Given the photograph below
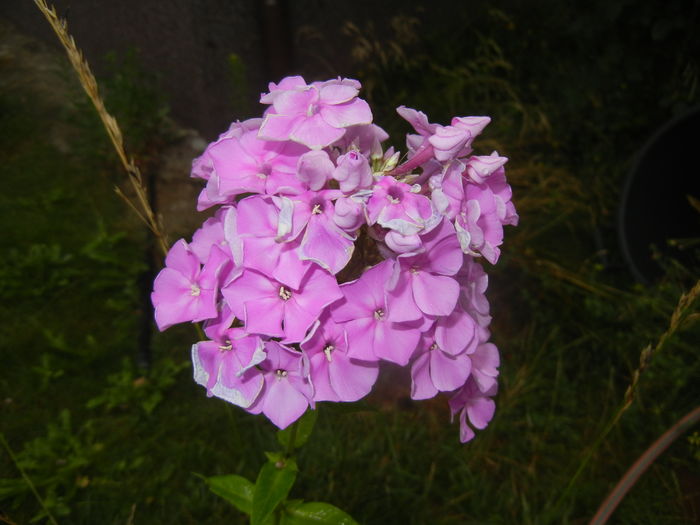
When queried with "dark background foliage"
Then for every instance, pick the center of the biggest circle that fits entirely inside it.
(574, 94)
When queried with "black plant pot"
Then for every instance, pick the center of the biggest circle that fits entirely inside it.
(655, 208)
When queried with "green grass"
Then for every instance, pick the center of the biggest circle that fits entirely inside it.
(103, 440)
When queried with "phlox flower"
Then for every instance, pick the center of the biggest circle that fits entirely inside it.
(314, 115)
(485, 209)
(183, 290)
(322, 240)
(425, 284)
(296, 190)
(273, 309)
(398, 206)
(226, 367)
(265, 241)
(485, 363)
(364, 311)
(287, 391)
(436, 370)
(475, 409)
(473, 284)
(353, 172)
(335, 376)
(247, 164)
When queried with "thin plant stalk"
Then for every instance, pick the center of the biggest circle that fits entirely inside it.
(27, 480)
(87, 80)
(679, 315)
(642, 464)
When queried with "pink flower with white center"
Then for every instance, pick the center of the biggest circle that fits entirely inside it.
(397, 206)
(258, 228)
(183, 291)
(314, 115)
(226, 367)
(425, 284)
(485, 363)
(335, 376)
(322, 241)
(435, 370)
(287, 391)
(372, 335)
(353, 172)
(473, 405)
(274, 309)
(486, 208)
(247, 164)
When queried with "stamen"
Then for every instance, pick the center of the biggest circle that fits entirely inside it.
(316, 209)
(379, 314)
(285, 294)
(227, 346)
(195, 290)
(328, 349)
(393, 200)
(434, 346)
(280, 373)
(413, 270)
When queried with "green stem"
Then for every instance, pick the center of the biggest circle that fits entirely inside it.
(26, 479)
(292, 439)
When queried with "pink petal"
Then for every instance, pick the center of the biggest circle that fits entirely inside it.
(455, 333)
(347, 114)
(326, 245)
(448, 372)
(315, 133)
(421, 385)
(321, 379)
(337, 93)
(395, 342)
(435, 294)
(278, 127)
(283, 404)
(351, 380)
(264, 316)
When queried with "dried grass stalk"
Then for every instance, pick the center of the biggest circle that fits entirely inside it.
(87, 80)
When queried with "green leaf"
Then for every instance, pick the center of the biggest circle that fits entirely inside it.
(271, 488)
(237, 490)
(315, 513)
(298, 431)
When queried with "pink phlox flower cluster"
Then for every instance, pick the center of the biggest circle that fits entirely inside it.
(267, 274)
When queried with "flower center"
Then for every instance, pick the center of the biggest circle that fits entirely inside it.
(434, 346)
(279, 373)
(317, 209)
(394, 195)
(413, 270)
(195, 290)
(379, 314)
(264, 170)
(328, 350)
(285, 294)
(226, 347)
